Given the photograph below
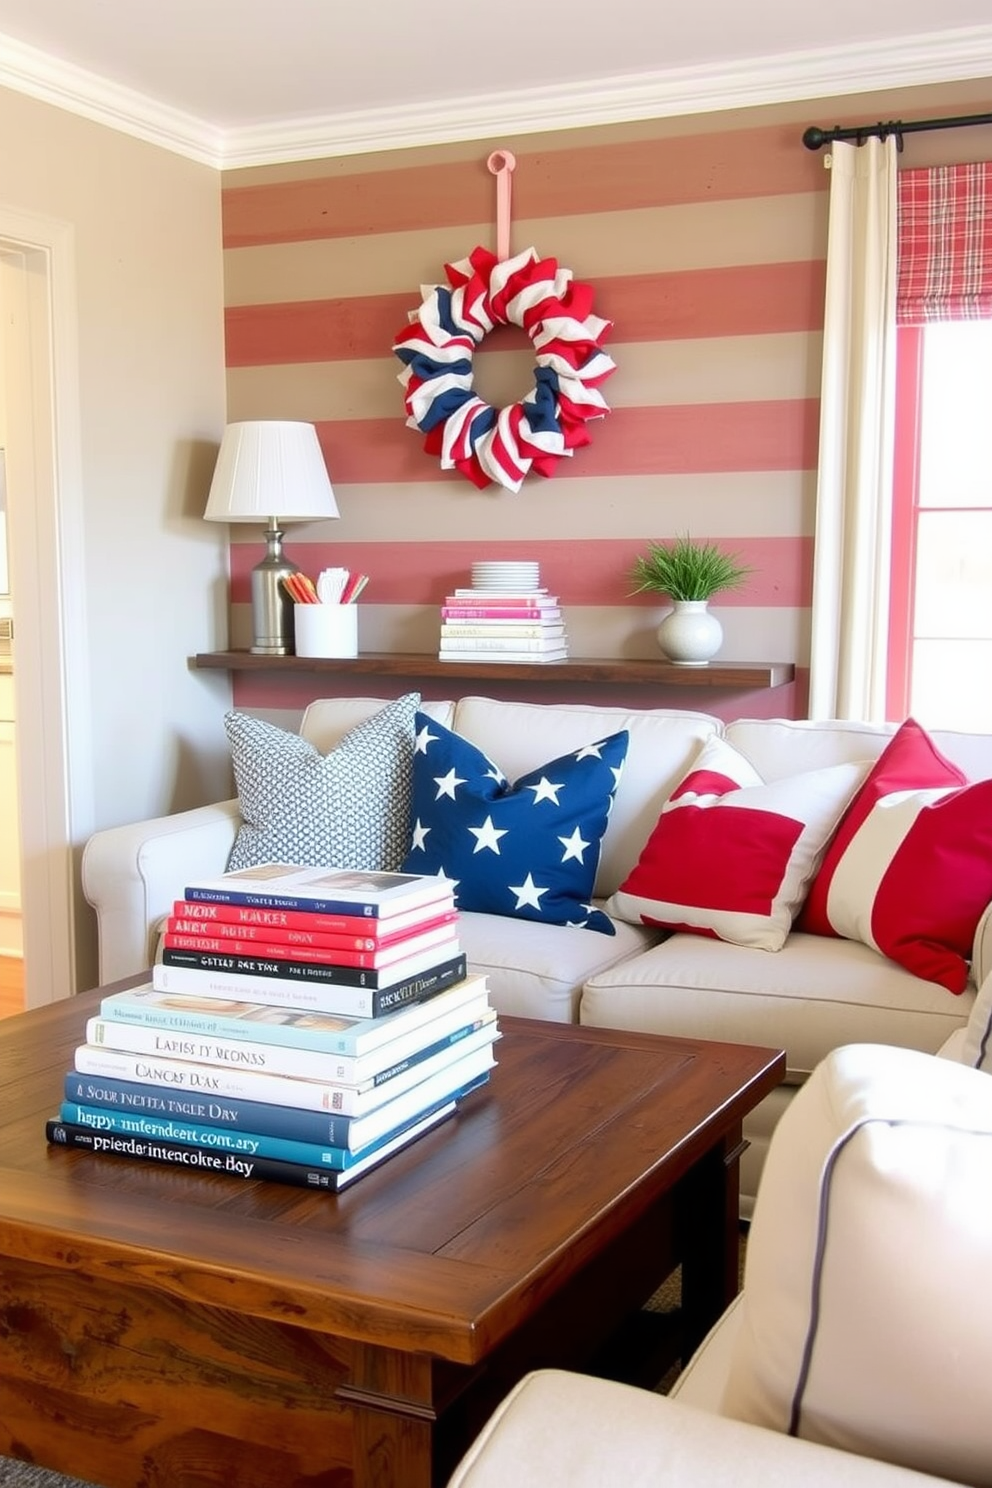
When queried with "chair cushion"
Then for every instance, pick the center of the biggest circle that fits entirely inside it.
(975, 1046)
(862, 1325)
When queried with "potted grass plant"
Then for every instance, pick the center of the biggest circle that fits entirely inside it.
(690, 572)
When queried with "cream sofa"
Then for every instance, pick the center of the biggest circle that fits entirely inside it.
(859, 1350)
(813, 995)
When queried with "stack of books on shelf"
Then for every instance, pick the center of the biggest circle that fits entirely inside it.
(301, 1026)
(505, 615)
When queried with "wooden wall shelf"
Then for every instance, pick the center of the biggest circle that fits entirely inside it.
(647, 672)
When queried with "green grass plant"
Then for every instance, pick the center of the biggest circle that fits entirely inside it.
(687, 569)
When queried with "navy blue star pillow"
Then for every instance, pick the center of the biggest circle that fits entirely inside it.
(529, 849)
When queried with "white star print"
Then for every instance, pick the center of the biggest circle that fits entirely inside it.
(544, 790)
(487, 835)
(591, 751)
(419, 836)
(574, 847)
(423, 738)
(527, 893)
(447, 784)
(495, 774)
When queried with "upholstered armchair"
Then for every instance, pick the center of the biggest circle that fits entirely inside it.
(860, 1350)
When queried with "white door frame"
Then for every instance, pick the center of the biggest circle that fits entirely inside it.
(47, 563)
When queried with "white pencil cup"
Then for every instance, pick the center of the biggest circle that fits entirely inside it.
(326, 629)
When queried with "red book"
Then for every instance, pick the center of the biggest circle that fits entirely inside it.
(399, 925)
(225, 929)
(444, 940)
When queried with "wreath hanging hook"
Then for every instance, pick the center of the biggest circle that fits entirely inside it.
(483, 291)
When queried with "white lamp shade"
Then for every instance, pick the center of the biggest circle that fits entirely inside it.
(270, 468)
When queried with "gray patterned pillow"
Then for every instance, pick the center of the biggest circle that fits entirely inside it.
(346, 809)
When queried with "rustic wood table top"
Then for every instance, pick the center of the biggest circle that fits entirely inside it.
(444, 1252)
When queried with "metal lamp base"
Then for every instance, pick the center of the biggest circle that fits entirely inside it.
(271, 605)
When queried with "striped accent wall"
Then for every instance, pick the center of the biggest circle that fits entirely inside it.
(705, 246)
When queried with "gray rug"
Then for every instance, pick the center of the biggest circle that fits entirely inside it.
(23, 1475)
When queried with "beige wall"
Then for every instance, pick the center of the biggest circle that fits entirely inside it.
(151, 575)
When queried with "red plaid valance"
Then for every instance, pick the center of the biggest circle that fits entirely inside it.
(945, 244)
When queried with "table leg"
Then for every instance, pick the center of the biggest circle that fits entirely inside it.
(710, 1238)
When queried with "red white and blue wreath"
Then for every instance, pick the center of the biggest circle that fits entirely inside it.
(551, 422)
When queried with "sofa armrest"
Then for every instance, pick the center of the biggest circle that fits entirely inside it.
(556, 1427)
(981, 955)
(132, 875)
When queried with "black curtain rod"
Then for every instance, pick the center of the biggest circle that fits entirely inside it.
(814, 138)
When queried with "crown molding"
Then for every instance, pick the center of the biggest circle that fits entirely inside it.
(938, 57)
(26, 70)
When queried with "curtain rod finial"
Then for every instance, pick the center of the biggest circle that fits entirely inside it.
(813, 138)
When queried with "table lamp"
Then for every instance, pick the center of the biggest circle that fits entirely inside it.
(270, 471)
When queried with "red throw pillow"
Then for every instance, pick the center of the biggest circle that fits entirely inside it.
(909, 871)
(731, 856)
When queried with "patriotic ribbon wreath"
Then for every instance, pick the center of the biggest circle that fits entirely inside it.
(483, 292)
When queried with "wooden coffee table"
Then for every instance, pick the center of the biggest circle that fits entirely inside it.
(161, 1327)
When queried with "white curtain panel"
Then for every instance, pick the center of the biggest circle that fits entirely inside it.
(850, 619)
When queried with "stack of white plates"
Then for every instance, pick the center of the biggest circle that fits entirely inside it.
(518, 576)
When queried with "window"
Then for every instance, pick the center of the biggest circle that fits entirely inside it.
(940, 642)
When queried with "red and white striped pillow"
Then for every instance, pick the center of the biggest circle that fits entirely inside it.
(731, 856)
(909, 871)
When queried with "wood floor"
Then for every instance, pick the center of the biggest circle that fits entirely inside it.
(11, 985)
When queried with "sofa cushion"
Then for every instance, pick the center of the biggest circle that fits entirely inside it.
(731, 856)
(527, 848)
(326, 721)
(349, 808)
(909, 871)
(862, 1325)
(812, 996)
(536, 970)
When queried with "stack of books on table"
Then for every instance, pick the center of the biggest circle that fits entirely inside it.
(301, 1026)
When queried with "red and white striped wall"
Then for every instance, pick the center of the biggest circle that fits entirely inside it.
(704, 242)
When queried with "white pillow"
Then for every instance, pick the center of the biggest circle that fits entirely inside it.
(731, 856)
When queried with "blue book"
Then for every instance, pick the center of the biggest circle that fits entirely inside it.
(284, 1106)
(190, 1158)
(373, 895)
(227, 1118)
(240, 1143)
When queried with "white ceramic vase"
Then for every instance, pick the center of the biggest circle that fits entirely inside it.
(690, 635)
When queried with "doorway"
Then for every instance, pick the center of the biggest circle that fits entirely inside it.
(40, 389)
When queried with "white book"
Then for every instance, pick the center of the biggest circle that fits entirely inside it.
(282, 1064)
(537, 657)
(501, 628)
(508, 596)
(501, 643)
(306, 1095)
